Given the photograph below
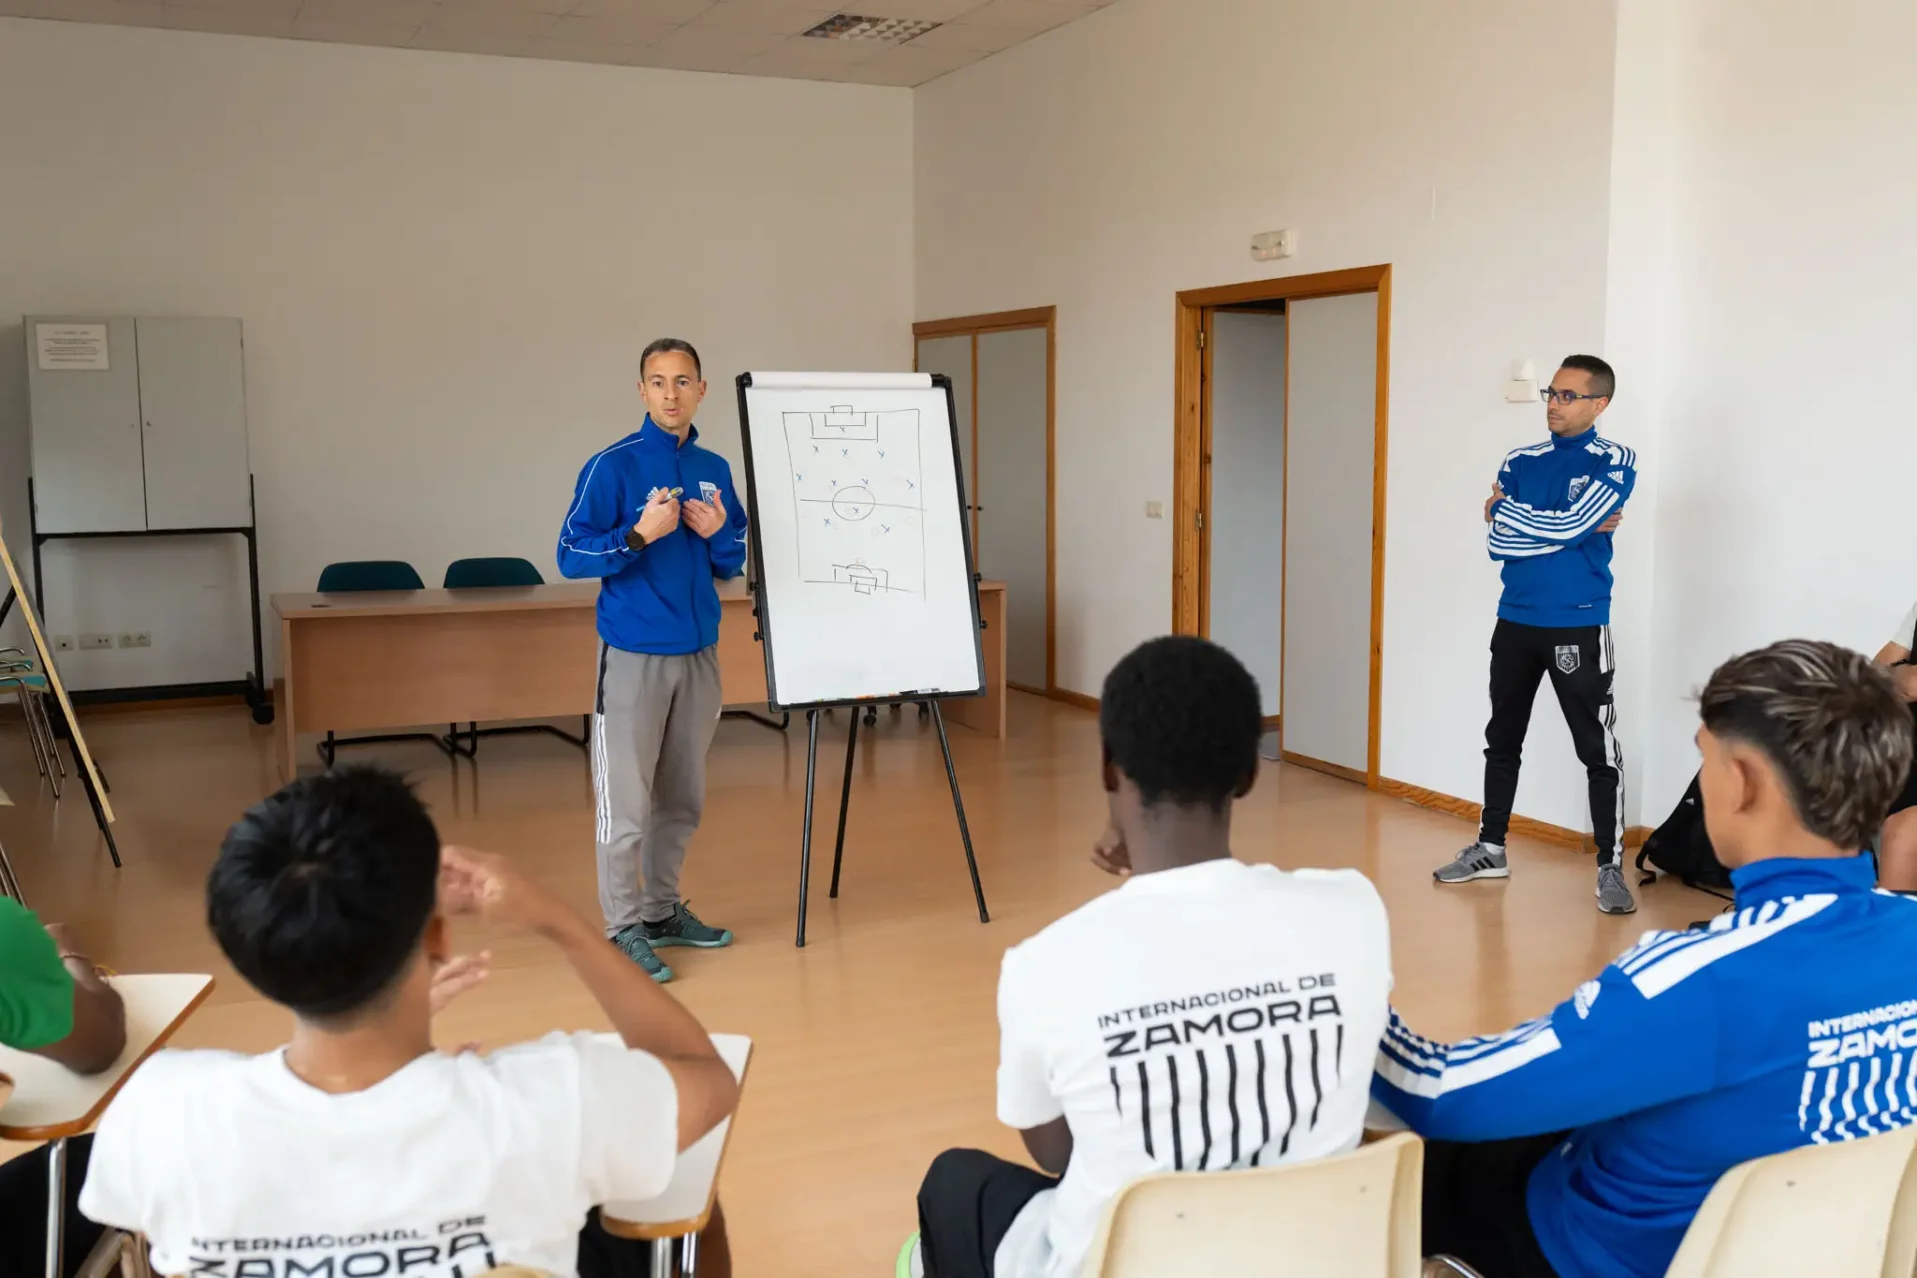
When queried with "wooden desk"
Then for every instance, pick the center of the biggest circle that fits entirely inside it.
(404, 658)
(685, 1207)
(52, 1103)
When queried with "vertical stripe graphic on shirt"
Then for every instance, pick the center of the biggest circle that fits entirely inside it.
(1291, 1103)
(1317, 1087)
(1824, 1117)
(1870, 1096)
(1118, 1095)
(1204, 1110)
(1338, 1058)
(1264, 1108)
(1145, 1107)
(1178, 1135)
(1231, 1092)
(1850, 1104)
(1803, 1103)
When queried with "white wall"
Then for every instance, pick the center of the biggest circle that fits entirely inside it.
(1248, 493)
(446, 265)
(1784, 505)
(1110, 163)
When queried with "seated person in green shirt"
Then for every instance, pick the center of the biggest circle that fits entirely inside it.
(53, 1004)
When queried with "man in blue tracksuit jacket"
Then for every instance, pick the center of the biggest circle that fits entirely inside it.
(1790, 1021)
(655, 518)
(1551, 515)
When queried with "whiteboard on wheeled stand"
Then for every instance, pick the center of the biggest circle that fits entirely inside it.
(863, 572)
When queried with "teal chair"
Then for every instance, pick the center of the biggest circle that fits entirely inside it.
(479, 574)
(22, 676)
(486, 574)
(367, 575)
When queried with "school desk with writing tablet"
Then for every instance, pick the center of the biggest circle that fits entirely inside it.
(411, 658)
(51, 1103)
(685, 1208)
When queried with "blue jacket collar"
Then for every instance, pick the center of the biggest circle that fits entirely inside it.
(1787, 876)
(651, 433)
(1574, 441)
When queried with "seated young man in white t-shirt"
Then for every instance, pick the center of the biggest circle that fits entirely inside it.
(1246, 1042)
(358, 1148)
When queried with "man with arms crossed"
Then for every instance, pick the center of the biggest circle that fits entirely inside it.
(358, 1148)
(655, 518)
(1600, 1128)
(1117, 1059)
(1551, 515)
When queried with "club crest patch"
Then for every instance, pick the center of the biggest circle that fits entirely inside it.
(1569, 658)
(1578, 485)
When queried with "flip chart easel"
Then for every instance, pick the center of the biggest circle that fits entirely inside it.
(82, 757)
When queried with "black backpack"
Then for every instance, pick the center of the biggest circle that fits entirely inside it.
(1681, 847)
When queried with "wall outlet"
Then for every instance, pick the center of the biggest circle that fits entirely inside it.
(63, 643)
(136, 639)
(1154, 510)
(89, 643)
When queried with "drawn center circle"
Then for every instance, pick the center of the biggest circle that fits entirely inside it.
(852, 504)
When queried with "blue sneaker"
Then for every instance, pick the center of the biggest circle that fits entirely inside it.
(684, 928)
(632, 942)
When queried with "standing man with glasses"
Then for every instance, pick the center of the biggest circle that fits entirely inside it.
(1551, 514)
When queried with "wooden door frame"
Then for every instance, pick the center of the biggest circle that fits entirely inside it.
(1191, 460)
(976, 326)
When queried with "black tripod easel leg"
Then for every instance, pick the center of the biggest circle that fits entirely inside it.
(958, 806)
(93, 798)
(805, 840)
(845, 799)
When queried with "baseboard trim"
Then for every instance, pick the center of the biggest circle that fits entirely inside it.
(1077, 699)
(1529, 827)
(1319, 765)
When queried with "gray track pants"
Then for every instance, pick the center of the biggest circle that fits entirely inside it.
(652, 723)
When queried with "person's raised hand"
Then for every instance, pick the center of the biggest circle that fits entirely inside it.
(455, 976)
(1110, 854)
(1906, 677)
(1610, 525)
(1497, 495)
(660, 517)
(489, 887)
(705, 517)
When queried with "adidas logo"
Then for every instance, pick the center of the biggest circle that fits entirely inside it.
(1617, 476)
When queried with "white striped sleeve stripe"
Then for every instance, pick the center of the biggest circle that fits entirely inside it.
(1662, 971)
(1457, 1077)
(1587, 512)
(568, 533)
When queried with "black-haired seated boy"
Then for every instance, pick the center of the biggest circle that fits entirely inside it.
(1246, 1044)
(358, 1148)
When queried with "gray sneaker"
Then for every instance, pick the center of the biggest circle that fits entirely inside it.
(1613, 896)
(1479, 861)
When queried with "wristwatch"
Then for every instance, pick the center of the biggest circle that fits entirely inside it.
(633, 540)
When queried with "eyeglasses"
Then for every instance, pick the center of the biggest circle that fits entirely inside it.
(1552, 395)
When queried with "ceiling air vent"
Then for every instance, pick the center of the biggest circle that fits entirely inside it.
(850, 26)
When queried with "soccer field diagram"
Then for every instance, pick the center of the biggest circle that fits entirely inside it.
(858, 489)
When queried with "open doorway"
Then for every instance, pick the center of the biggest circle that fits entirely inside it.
(1279, 499)
(1003, 372)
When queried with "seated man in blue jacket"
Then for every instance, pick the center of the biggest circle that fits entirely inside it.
(1599, 1129)
(656, 518)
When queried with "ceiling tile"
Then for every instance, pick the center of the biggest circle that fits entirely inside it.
(470, 40)
(908, 66)
(131, 13)
(405, 13)
(554, 7)
(933, 10)
(719, 42)
(487, 21)
(346, 31)
(271, 8)
(807, 58)
(624, 33)
(690, 60)
(674, 11)
(781, 17)
(268, 18)
(1029, 15)
(575, 51)
(970, 37)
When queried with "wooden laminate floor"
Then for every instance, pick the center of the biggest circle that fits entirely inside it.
(875, 1044)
